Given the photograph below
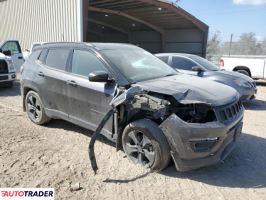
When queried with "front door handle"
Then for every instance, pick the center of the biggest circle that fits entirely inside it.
(41, 74)
(20, 57)
(72, 83)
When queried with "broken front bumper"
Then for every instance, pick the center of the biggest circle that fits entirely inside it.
(198, 145)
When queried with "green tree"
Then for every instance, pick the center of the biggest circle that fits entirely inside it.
(247, 44)
(213, 46)
(263, 47)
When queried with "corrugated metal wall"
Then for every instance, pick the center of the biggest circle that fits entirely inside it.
(184, 41)
(40, 21)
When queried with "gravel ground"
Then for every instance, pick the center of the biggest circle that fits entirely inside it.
(56, 156)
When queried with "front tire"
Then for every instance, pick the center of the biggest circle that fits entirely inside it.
(35, 109)
(145, 144)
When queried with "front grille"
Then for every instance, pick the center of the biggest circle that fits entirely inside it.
(231, 111)
(3, 78)
(3, 67)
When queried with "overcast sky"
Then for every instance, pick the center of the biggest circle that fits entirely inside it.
(230, 16)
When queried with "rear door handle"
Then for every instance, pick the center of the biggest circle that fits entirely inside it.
(41, 74)
(72, 83)
(20, 57)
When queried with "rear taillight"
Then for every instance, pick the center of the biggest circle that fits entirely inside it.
(222, 62)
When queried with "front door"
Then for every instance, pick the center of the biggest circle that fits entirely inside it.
(16, 54)
(89, 101)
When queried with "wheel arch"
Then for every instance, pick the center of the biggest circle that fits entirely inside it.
(131, 117)
(151, 128)
(25, 91)
(243, 68)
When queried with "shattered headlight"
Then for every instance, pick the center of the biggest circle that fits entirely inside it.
(196, 113)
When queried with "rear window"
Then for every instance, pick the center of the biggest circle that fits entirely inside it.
(57, 58)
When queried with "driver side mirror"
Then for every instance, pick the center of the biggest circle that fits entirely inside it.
(99, 76)
(7, 52)
(198, 69)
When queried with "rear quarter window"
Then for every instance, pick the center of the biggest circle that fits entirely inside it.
(42, 56)
(57, 58)
(164, 59)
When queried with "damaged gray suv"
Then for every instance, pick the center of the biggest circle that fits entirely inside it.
(195, 122)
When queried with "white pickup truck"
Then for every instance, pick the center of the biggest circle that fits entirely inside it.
(253, 66)
(11, 60)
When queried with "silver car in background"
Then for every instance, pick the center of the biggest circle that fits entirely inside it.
(198, 66)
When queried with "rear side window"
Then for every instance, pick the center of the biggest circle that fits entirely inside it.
(84, 63)
(182, 63)
(57, 58)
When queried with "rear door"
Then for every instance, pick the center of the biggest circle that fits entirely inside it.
(52, 77)
(89, 101)
(16, 54)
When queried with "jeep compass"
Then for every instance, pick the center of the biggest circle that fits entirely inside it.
(194, 121)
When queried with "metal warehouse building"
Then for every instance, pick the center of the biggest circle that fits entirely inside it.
(156, 25)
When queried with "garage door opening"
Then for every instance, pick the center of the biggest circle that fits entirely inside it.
(157, 26)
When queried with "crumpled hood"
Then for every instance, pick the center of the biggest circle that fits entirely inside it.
(190, 89)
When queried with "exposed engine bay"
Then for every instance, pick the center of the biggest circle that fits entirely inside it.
(134, 103)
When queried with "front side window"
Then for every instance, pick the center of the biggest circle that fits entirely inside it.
(182, 63)
(137, 64)
(57, 58)
(85, 62)
(11, 46)
(205, 63)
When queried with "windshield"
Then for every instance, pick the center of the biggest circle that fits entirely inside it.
(137, 64)
(205, 63)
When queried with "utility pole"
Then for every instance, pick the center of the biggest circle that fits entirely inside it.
(231, 40)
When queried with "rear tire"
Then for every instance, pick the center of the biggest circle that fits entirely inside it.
(35, 109)
(245, 72)
(144, 143)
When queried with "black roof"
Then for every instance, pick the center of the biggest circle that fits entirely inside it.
(97, 46)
